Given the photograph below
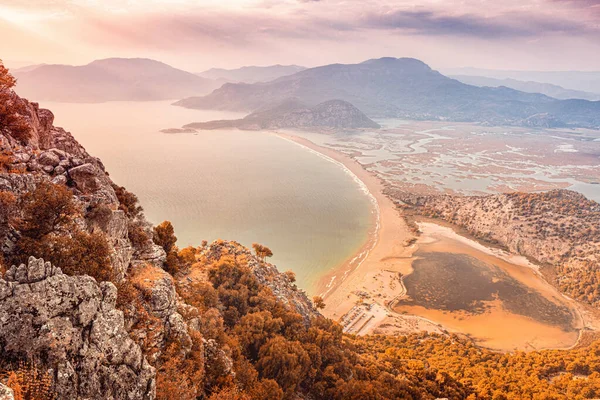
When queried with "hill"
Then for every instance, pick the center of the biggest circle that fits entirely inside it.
(401, 88)
(559, 228)
(251, 74)
(292, 113)
(111, 79)
(558, 92)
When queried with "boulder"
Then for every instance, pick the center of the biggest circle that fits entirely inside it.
(48, 158)
(84, 177)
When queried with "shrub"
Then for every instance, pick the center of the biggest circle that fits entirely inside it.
(181, 376)
(187, 255)
(290, 275)
(5, 160)
(49, 208)
(128, 202)
(81, 253)
(137, 235)
(318, 302)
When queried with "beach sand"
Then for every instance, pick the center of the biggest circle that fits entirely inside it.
(384, 254)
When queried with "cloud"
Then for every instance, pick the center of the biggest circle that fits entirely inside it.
(506, 25)
(214, 28)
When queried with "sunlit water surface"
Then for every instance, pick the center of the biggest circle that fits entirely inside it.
(243, 186)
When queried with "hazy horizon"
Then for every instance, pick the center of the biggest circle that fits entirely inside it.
(198, 35)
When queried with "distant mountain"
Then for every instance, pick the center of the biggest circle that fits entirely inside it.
(585, 81)
(251, 74)
(403, 88)
(292, 113)
(110, 79)
(558, 92)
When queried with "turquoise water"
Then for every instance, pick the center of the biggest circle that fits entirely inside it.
(243, 186)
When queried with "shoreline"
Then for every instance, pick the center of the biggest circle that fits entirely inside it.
(331, 280)
(384, 249)
(357, 291)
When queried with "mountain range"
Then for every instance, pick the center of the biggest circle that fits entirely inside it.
(558, 92)
(585, 81)
(134, 79)
(404, 88)
(251, 74)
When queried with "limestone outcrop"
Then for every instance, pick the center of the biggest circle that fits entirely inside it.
(71, 322)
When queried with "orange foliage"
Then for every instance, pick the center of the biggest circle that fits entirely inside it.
(28, 382)
(12, 110)
(181, 376)
(261, 251)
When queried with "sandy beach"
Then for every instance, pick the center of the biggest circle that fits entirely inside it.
(384, 255)
(363, 293)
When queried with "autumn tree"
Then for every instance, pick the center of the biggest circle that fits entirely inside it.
(12, 109)
(181, 375)
(284, 361)
(319, 302)
(261, 251)
(164, 236)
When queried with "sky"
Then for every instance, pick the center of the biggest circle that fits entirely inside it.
(200, 34)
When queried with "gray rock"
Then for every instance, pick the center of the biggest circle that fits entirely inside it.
(60, 180)
(177, 330)
(48, 169)
(76, 161)
(62, 155)
(49, 158)
(22, 157)
(59, 170)
(6, 393)
(71, 323)
(84, 177)
(33, 166)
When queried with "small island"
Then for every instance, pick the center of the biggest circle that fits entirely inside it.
(178, 130)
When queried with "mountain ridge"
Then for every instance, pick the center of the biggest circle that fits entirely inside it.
(251, 73)
(110, 79)
(399, 88)
(547, 89)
